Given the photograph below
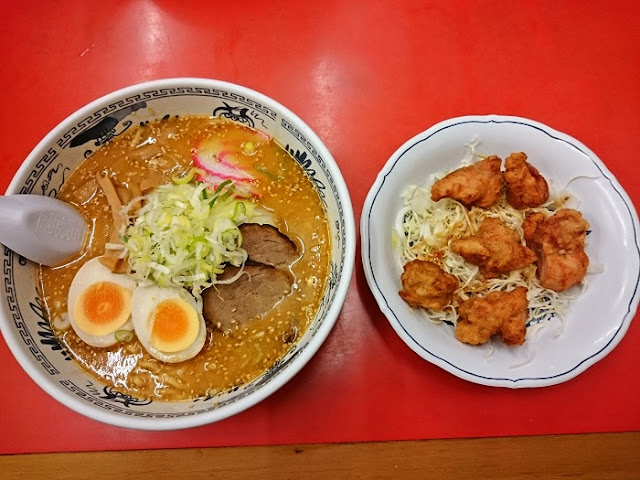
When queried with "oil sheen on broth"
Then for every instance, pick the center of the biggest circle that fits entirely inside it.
(163, 148)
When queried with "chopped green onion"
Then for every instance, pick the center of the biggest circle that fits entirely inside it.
(228, 193)
(183, 236)
(239, 212)
(263, 169)
(185, 178)
(124, 336)
(222, 185)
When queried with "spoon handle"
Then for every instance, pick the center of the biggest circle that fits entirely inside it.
(42, 229)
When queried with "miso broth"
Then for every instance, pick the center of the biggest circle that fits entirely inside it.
(162, 150)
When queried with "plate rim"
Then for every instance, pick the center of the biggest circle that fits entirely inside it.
(422, 351)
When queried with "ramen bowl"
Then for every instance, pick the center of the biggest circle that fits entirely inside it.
(23, 320)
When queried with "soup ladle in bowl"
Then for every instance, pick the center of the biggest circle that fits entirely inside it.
(42, 229)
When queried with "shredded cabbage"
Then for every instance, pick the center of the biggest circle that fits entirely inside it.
(424, 229)
(184, 234)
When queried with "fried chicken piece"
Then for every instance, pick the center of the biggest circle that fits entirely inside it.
(530, 225)
(496, 249)
(558, 241)
(525, 186)
(425, 284)
(479, 184)
(499, 313)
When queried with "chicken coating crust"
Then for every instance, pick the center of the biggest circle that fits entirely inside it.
(479, 184)
(558, 241)
(425, 284)
(526, 188)
(499, 313)
(496, 249)
(531, 223)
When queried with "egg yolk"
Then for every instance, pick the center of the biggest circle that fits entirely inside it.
(102, 308)
(175, 325)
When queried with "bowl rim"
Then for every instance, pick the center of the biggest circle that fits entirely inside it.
(296, 364)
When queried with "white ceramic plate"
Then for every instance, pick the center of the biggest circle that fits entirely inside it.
(596, 321)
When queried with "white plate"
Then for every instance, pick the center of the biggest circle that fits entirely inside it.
(595, 322)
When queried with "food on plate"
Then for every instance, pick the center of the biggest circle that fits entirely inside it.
(499, 313)
(208, 259)
(495, 248)
(425, 284)
(558, 241)
(479, 184)
(512, 251)
(526, 188)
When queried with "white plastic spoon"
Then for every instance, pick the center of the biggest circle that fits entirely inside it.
(42, 229)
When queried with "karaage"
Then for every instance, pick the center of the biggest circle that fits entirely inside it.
(499, 313)
(558, 241)
(496, 249)
(525, 186)
(425, 284)
(479, 184)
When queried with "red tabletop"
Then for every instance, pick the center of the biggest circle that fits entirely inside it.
(365, 76)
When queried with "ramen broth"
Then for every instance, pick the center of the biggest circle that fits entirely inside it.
(163, 149)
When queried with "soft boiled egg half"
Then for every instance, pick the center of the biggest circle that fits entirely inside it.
(99, 304)
(168, 322)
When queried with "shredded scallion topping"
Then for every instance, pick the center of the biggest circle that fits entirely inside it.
(184, 234)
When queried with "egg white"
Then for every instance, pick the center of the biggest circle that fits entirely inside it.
(144, 301)
(93, 272)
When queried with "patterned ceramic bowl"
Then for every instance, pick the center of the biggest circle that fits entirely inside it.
(27, 331)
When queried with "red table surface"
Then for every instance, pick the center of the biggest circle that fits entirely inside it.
(365, 76)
